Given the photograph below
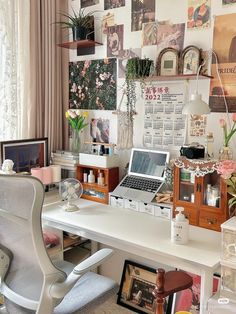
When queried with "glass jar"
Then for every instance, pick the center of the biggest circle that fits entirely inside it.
(225, 153)
(75, 141)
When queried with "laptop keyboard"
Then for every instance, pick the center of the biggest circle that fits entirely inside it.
(137, 183)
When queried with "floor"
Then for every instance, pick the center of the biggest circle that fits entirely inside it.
(109, 307)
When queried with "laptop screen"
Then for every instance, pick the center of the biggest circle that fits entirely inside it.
(148, 163)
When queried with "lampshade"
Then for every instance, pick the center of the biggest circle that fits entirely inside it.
(196, 106)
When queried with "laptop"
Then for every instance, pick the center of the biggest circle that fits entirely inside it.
(145, 175)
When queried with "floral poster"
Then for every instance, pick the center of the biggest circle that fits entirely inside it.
(224, 45)
(199, 14)
(115, 36)
(88, 3)
(142, 11)
(89, 82)
(100, 129)
(112, 4)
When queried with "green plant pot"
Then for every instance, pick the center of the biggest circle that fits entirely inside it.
(138, 68)
(79, 33)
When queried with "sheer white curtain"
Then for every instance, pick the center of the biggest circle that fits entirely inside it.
(14, 69)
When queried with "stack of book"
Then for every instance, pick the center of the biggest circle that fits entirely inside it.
(66, 159)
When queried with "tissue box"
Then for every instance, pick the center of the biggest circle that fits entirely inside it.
(104, 161)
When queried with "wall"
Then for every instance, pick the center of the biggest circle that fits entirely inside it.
(175, 12)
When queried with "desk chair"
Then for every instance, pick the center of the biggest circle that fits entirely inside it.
(169, 283)
(30, 281)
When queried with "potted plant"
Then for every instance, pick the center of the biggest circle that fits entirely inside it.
(80, 23)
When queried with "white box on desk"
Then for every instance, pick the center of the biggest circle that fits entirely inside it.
(146, 208)
(131, 204)
(117, 201)
(105, 161)
(164, 211)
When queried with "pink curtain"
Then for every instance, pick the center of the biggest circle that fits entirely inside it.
(48, 73)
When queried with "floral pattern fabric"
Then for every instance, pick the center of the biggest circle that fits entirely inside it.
(92, 84)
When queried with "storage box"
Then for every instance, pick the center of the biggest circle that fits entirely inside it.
(104, 161)
(163, 211)
(228, 250)
(146, 208)
(228, 280)
(130, 204)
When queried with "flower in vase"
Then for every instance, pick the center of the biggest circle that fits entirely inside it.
(76, 119)
(228, 133)
(227, 170)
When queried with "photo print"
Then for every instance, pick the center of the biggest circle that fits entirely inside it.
(149, 34)
(170, 36)
(115, 36)
(198, 125)
(227, 2)
(113, 4)
(88, 3)
(142, 11)
(99, 130)
(107, 20)
(89, 81)
(199, 14)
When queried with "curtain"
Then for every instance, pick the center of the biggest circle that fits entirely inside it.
(14, 69)
(49, 73)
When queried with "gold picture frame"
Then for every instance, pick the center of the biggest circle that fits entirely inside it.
(190, 60)
(168, 62)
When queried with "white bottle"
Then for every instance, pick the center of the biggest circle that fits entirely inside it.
(91, 177)
(179, 228)
(100, 179)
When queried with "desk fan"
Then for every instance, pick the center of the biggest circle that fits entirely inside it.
(70, 189)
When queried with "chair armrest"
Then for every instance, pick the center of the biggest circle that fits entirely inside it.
(60, 289)
(93, 261)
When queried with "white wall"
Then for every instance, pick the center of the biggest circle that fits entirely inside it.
(175, 11)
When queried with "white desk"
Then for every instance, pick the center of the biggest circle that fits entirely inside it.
(144, 235)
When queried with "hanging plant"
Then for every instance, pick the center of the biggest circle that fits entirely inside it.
(136, 69)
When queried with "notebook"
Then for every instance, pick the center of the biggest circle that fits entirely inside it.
(145, 175)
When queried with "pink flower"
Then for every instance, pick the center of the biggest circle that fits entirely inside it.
(72, 114)
(222, 123)
(226, 168)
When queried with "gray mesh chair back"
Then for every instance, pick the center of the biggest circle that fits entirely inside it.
(30, 280)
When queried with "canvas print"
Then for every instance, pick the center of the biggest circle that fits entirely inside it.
(89, 82)
(224, 32)
(115, 36)
(99, 130)
(199, 14)
(124, 55)
(112, 4)
(226, 2)
(189, 299)
(88, 3)
(149, 34)
(170, 35)
(142, 11)
(137, 283)
(107, 20)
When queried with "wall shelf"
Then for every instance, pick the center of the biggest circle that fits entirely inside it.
(180, 77)
(79, 44)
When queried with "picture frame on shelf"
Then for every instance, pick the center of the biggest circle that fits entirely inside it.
(168, 62)
(137, 283)
(190, 60)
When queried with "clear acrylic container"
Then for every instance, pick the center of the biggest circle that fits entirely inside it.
(228, 281)
(228, 232)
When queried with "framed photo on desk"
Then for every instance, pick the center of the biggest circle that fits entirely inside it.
(137, 283)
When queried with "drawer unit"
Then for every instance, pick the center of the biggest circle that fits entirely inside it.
(146, 208)
(130, 204)
(117, 201)
(162, 211)
(210, 220)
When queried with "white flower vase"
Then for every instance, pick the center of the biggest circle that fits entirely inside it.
(75, 141)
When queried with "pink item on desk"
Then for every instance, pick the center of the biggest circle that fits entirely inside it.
(47, 175)
(38, 173)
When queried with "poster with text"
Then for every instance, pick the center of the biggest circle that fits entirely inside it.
(142, 11)
(89, 82)
(224, 45)
(112, 4)
(164, 123)
(199, 14)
